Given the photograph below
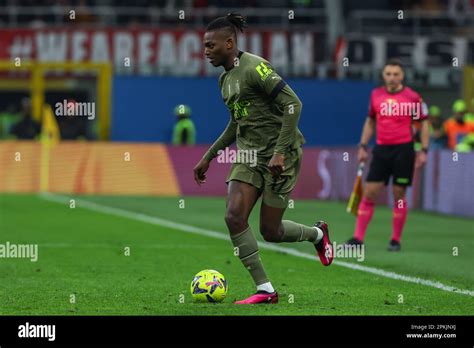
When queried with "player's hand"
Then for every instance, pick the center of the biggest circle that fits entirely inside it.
(421, 159)
(200, 170)
(277, 164)
(362, 155)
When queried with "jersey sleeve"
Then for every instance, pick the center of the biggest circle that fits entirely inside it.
(263, 76)
(227, 137)
(423, 107)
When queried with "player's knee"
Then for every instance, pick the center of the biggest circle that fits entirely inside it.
(398, 197)
(371, 195)
(398, 193)
(270, 234)
(235, 221)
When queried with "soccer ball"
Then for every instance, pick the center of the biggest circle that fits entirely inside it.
(209, 286)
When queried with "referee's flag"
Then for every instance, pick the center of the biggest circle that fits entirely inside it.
(356, 195)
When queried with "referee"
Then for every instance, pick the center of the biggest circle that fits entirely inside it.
(392, 110)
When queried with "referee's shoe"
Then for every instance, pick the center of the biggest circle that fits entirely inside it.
(394, 246)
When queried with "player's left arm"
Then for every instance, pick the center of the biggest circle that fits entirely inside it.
(292, 106)
(269, 82)
(424, 135)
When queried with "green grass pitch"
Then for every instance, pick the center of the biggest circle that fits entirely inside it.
(81, 253)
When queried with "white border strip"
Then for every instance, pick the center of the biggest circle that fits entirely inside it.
(213, 234)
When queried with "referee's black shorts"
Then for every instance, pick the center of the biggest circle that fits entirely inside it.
(397, 161)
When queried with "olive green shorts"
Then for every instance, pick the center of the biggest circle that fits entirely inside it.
(276, 191)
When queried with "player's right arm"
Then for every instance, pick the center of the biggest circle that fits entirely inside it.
(367, 132)
(227, 137)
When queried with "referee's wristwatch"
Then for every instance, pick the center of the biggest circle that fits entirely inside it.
(363, 146)
(425, 150)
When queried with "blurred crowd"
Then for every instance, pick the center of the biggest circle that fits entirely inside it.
(366, 4)
(452, 129)
(456, 10)
(455, 132)
(19, 123)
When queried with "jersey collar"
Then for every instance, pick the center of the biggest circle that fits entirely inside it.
(387, 91)
(238, 56)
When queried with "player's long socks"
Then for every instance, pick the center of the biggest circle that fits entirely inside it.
(400, 212)
(295, 232)
(364, 215)
(247, 248)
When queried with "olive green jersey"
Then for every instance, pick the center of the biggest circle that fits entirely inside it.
(264, 110)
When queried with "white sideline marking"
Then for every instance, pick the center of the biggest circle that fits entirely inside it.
(213, 234)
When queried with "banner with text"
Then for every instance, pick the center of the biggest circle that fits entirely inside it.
(155, 51)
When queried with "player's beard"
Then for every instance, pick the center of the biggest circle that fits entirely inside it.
(391, 87)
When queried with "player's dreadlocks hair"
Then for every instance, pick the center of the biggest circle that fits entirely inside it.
(233, 21)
